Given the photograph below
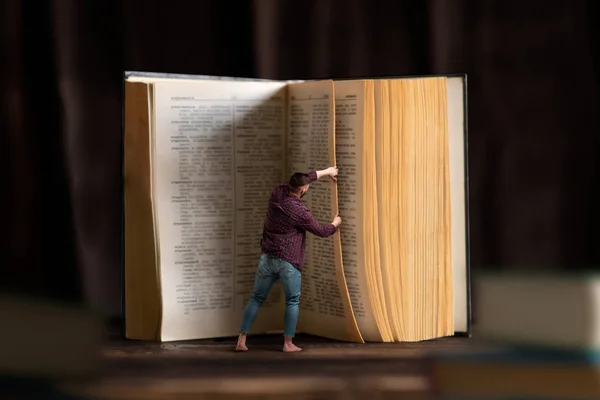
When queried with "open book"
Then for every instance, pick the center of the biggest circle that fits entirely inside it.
(201, 157)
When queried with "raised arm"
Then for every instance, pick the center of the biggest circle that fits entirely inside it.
(331, 171)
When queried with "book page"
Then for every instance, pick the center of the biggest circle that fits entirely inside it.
(389, 166)
(424, 207)
(349, 122)
(325, 302)
(219, 152)
(455, 87)
(142, 293)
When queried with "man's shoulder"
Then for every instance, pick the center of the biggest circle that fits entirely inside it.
(291, 205)
(279, 190)
(295, 204)
(283, 199)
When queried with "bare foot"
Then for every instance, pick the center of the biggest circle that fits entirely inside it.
(241, 347)
(291, 348)
(241, 343)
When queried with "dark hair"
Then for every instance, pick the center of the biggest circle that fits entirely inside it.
(298, 180)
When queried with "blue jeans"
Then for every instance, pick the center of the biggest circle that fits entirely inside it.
(269, 270)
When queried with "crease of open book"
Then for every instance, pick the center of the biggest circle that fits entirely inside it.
(396, 270)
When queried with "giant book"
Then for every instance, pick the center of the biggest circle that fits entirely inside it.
(201, 157)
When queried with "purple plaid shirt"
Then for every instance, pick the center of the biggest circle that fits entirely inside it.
(286, 223)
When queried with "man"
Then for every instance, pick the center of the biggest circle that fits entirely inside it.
(282, 244)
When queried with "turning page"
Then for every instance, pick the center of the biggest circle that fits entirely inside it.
(349, 125)
(325, 302)
(218, 153)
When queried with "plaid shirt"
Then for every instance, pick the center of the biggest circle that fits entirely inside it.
(286, 223)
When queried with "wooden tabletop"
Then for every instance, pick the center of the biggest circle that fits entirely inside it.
(211, 369)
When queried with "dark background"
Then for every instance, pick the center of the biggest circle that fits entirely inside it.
(533, 114)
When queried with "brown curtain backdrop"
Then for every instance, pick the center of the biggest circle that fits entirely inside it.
(533, 114)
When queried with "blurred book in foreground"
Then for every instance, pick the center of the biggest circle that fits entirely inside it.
(45, 340)
(515, 373)
(537, 337)
(541, 310)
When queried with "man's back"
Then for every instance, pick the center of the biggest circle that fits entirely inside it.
(286, 223)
